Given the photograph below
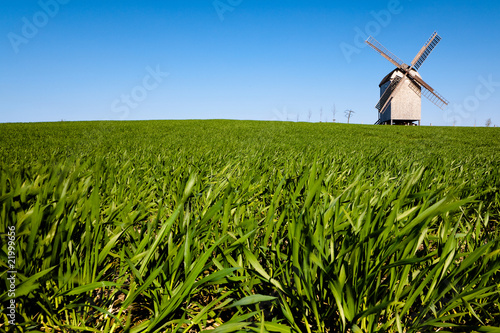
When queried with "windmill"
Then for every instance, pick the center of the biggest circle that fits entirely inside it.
(401, 90)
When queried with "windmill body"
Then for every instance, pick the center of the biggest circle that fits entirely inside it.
(405, 107)
(401, 90)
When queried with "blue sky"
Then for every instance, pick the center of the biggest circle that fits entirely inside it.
(240, 59)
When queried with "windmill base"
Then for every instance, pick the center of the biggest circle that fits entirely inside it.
(399, 122)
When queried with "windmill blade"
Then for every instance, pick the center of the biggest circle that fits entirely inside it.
(425, 51)
(384, 52)
(430, 93)
(389, 93)
(415, 87)
(435, 98)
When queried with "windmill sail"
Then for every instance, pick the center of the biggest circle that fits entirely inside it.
(384, 52)
(387, 93)
(430, 93)
(415, 87)
(425, 51)
(435, 98)
(393, 93)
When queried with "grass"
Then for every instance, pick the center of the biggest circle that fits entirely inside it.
(184, 226)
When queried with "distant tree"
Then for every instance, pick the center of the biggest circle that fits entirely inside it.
(488, 122)
(309, 115)
(348, 114)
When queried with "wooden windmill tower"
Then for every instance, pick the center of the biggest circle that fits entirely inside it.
(401, 90)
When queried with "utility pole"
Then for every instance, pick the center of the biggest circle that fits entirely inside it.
(348, 114)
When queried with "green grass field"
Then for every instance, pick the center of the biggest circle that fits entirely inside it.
(184, 226)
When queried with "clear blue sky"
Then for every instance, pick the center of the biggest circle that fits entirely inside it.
(262, 60)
